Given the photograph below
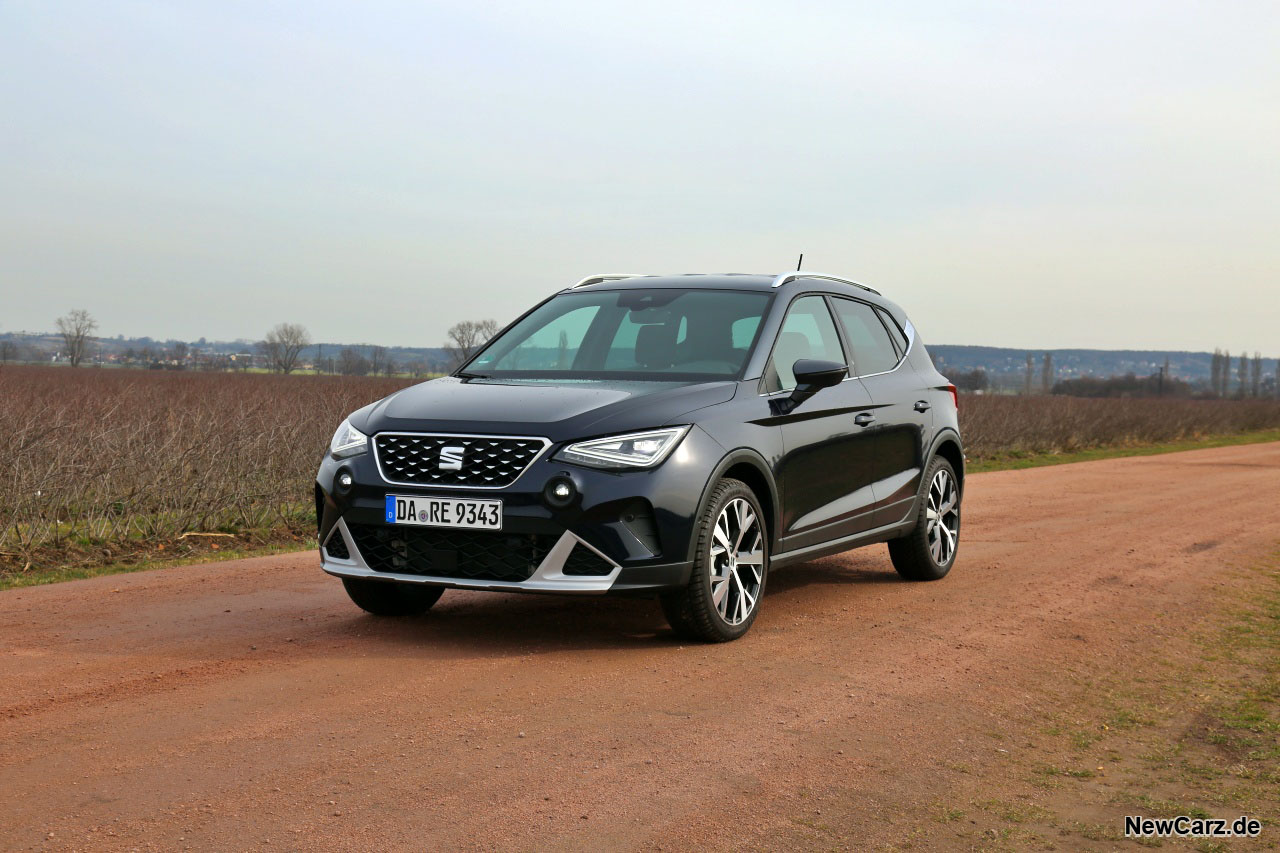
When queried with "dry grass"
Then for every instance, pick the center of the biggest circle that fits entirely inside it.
(104, 463)
(109, 465)
(1000, 428)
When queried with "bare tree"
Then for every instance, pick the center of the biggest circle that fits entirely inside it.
(8, 351)
(1243, 373)
(1215, 371)
(75, 329)
(1046, 373)
(377, 360)
(1257, 374)
(282, 346)
(352, 363)
(971, 380)
(467, 337)
(1026, 379)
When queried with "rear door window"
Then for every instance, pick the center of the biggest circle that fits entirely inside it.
(873, 351)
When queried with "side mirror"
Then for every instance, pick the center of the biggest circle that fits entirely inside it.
(812, 375)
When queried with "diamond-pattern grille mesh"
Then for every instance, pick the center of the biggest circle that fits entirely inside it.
(484, 461)
(337, 546)
(584, 561)
(445, 553)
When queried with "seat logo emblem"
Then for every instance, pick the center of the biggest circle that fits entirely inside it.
(451, 458)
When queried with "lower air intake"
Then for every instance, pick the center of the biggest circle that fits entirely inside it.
(462, 554)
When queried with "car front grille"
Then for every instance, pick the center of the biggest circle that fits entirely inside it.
(466, 461)
(446, 553)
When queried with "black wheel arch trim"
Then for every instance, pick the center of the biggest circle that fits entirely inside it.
(747, 456)
(945, 435)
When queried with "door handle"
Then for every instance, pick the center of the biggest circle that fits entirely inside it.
(864, 419)
(921, 406)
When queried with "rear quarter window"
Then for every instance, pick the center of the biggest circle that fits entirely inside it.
(894, 331)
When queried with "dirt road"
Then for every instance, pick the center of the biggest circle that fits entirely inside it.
(249, 705)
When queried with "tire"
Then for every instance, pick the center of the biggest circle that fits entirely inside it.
(384, 598)
(723, 596)
(928, 552)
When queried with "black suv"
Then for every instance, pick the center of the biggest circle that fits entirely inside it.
(670, 436)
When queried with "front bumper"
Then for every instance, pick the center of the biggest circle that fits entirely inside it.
(549, 576)
(642, 556)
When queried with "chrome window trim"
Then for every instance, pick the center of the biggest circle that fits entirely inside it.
(546, 443)
(548, 577)
(785, 277)
(910, 332)
(902, 359)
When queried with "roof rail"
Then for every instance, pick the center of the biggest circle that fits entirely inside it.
(792, 276)
(610, 276)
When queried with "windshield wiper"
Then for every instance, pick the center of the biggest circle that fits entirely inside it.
(466, 375)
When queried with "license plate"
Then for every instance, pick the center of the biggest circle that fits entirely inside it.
(444, 512)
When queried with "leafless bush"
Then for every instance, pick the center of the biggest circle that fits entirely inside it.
(997, 426)
(102, 459)
(98, 461)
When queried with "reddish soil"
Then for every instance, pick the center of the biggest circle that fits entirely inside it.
(248, 704)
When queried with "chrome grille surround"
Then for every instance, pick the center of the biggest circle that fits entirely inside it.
(488, 461)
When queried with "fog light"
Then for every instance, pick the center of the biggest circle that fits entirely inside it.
(560, 492)
(344, 480)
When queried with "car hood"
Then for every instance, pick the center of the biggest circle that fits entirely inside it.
(555, 410)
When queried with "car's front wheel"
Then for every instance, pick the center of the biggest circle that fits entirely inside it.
(928, 551)
(384, 598)
(731, 565)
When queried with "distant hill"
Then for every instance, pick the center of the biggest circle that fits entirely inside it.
(1005, 363)
(1005, 366)
(43, 347)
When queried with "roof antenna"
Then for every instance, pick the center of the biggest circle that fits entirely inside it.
(800, 262)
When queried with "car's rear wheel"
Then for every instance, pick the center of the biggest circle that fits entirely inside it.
(929, 551)
(384, 598)
(731, 565)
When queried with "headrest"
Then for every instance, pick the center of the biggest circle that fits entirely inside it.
(656, 345)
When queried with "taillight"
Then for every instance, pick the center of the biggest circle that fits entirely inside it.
(955, 396)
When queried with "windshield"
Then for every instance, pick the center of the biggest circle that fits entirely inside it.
(667, 334)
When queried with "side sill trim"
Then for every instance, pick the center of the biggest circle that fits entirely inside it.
(837, 546)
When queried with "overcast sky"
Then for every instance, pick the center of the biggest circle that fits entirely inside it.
(1044, 175)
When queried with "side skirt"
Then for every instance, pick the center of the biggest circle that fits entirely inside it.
(837, 546)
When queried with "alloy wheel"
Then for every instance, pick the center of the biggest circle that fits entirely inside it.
(737, 562)
(943, 514)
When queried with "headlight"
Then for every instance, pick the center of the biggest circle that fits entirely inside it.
(348, 441)
(633, 450)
